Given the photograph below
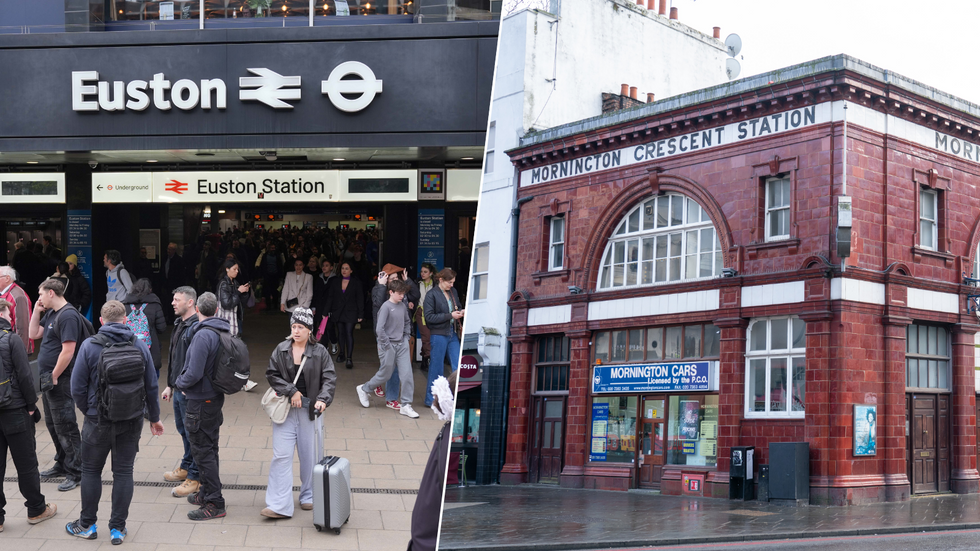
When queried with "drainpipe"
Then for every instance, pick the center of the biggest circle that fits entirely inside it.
(515, 215)
(843, 199)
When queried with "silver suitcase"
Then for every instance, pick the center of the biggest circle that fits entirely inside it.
(331, 493)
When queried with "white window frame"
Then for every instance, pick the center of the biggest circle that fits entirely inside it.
(771, 209)
(643, 245)
(934, 245)
(789, 354)
(485, 274)
(488, 156)
(556, 259)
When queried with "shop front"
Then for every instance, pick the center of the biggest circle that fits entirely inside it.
(654, 401)
(376, 128)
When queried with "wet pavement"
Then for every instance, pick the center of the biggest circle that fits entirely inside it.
(550, 518)
(387, 452)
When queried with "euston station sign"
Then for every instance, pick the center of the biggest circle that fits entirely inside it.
(266, 86)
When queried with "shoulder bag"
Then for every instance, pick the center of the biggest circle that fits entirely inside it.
(278, 406)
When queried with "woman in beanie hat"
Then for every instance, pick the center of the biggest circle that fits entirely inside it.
(313, 388)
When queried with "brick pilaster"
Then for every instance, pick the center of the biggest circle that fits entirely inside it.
(518, 412)
(577, 411)
(964, 478)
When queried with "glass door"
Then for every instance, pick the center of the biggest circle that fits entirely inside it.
(650, 452)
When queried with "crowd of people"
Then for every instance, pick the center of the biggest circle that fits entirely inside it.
(325, 292)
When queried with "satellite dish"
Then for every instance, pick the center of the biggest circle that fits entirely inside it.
(733, 68)
(734, 44)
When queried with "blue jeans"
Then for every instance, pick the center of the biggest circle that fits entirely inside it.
(441, 347)
(392, 387)
(187, 463)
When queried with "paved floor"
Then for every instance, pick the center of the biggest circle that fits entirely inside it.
(387, 452)
(544, 518)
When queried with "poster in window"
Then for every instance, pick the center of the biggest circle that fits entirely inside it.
(600, 425)
(865, 429)
(166, 11)
(690, 416)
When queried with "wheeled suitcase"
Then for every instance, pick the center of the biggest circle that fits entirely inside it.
(331, 488)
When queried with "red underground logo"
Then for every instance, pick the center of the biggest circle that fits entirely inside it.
(176, 187)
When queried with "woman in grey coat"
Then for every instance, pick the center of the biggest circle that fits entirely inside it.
(317, 383)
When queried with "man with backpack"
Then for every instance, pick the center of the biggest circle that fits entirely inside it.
(202, 414)
(113, 383)
(18, 407)
(61, 329)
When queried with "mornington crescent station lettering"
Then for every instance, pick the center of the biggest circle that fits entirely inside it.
(231, 187)
(677, 145)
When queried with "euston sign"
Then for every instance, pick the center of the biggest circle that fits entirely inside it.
(88, 93)
(666, 377)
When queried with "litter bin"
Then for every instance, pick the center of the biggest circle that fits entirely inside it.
(762, 490)
(741, 483)
(789, 464)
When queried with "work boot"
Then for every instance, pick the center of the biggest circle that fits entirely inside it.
(187, 488)
(176, 475)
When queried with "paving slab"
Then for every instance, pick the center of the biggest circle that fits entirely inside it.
(484, 518)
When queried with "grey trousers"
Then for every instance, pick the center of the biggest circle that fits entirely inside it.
(390, 359)
(296, 432)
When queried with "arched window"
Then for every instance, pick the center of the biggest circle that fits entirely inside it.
(664, 239)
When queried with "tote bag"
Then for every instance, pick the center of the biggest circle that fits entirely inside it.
(276, 406)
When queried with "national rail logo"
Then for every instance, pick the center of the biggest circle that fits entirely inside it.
(177, 186)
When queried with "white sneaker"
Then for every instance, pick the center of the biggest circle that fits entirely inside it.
(250, 385)
(407, 410)
(363, 396)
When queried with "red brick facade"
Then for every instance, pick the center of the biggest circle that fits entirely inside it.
(855, 351)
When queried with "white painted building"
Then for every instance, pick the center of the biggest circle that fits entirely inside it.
(552, 69)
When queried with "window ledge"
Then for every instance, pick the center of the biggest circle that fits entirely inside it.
(797, 416)
(563, 274)
(918, 252)
(792, 244)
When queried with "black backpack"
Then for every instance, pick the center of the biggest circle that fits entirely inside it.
(6, 374)
(122, 391)
(231, 366)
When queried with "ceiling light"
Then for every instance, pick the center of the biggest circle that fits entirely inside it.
(467, 158)
(221, 212)
(151, 160)
(339, 159)
(32, 162)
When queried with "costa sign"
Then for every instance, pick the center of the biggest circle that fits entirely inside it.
(89, 93)
(468, 367)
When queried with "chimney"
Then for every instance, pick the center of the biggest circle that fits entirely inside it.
(649, 98)
(663, 7)
(632, 92)
(624, 89)
(673, 13)
(717, 33)
(640, 3)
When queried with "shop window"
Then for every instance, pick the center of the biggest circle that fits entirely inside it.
(775, 382)
(927, 358)
(488, 157)
(777, 209)
(551, 368)
(692, 430)
(556, 248)
(650, 344)
(481, 271)
(928, 219)
(222, 9)
(665, 239)
(466, 425)
(614, 429)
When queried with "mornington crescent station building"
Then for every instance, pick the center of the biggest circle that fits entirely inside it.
(135, 127)
(789, 258)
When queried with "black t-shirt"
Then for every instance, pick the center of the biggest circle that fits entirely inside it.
(58, 329)
(301, 382)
